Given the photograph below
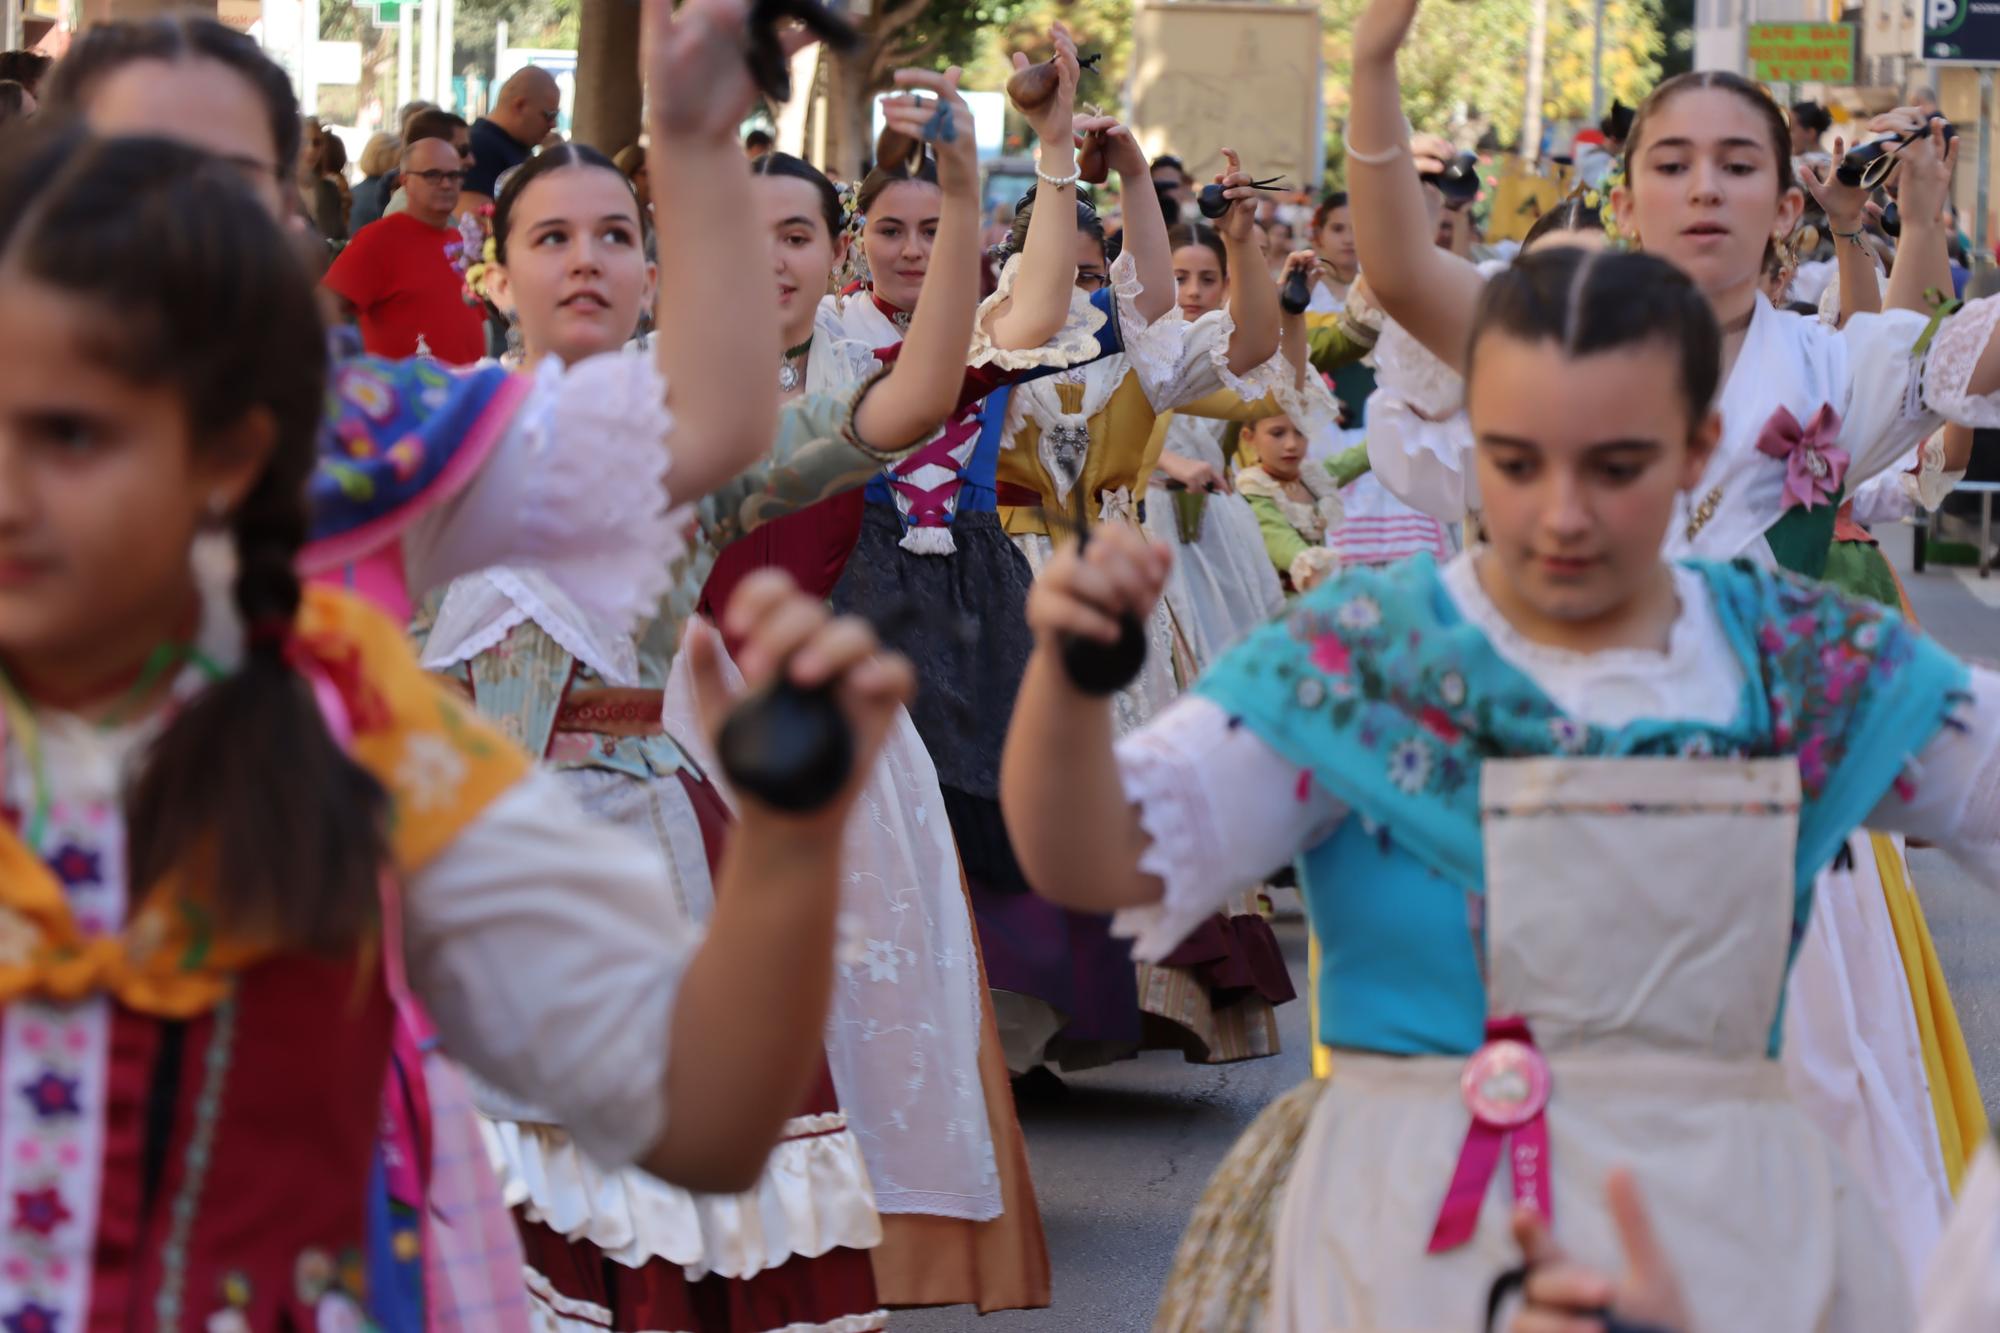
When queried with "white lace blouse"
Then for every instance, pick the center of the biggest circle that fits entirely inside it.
(1218, 807)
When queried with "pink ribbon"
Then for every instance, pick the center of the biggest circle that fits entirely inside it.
(1814, 465)
(1518, 1125)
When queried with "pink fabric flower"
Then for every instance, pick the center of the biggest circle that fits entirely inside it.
(1814, 465)
(1329, 654)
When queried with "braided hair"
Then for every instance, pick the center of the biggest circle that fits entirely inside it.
(201, 292)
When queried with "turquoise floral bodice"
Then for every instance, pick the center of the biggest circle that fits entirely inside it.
(1390, 700)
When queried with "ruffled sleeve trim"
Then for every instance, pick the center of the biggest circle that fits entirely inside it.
(1075, 343)
(1165, 790)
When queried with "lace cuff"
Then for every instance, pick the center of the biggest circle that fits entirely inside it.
(1954, 354)
(1073, 344)
(1164, 784)
(1312, 408)
(595, 499)
(1311, 565)
(1930, 483)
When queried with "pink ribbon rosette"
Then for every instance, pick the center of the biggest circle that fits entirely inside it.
(1814, 466)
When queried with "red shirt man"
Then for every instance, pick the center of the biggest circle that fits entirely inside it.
(400, 277)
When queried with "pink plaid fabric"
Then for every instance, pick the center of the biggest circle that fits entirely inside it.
(472, 1253)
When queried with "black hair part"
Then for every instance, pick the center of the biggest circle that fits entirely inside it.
(1198, 233)
(797, 168)
(108, 47)
(1777, 129)
(541, 164)
(13, 100)
(1087, 221)
(200, 290)
(1572, 214)
(1589, 301)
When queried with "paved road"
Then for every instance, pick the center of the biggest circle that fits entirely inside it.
(1121, 1160)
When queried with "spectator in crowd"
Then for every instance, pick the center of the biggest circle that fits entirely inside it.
(524, 114)
(378, 179)
(1170, 172)
(319, 198)
(631, 163)
(757, 143)
(431, 123)
(1811, 123)
(399, 277)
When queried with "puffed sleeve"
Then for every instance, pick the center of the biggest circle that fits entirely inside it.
(1949, 793)
(1954, 354)
(1419, 438)
(1075, 343)
(1221, 810)
(1184, 362)
(545, 946)
(576, 487)
(1885, 416)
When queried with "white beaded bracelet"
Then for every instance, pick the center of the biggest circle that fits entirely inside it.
(1057, 181)
(1382, 158)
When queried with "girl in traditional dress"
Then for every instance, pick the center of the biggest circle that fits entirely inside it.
(1296, 500)
(588, 694)
(1559, 807)
(426, 473)
(1075, 448)
(234, 812)
(915, 1054)
(1809, 413)
(1223, 585)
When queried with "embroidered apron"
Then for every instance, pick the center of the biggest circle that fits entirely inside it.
(1637, 919)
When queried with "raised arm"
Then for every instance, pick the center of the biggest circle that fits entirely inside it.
(923, 387)
(1923, 188)
(1145, 225)
(1427, 291)
(1048, 257)
(1253, 297)
(724, 399)
(1077, 837)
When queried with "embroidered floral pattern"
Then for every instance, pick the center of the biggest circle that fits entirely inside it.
(1375, 676)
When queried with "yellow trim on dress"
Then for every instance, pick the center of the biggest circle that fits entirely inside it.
(440, 765)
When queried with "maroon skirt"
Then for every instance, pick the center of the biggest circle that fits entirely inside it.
(584, 1289)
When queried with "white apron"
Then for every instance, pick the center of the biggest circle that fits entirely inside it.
(1638, 915)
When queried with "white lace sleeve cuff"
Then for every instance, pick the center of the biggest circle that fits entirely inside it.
(1311, 406)
(577, 490)
(1214, 803)
(1928, 486)
(1073, 344)
(1311, 565)
(1954, 354)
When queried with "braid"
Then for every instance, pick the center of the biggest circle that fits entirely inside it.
(245, 792)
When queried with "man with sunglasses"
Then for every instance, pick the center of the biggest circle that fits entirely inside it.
(524, 112)
(401, 278)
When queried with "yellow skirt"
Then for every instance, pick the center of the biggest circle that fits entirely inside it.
(1961, 1115)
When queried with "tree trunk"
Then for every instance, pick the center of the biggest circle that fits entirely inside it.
(608, 97)
(1531, 114)
(849, 141)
